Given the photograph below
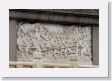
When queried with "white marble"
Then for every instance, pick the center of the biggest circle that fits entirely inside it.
(54, 42)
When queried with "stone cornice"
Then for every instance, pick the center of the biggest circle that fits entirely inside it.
(60, 16)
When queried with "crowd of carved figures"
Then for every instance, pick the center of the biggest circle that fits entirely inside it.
(54, 42)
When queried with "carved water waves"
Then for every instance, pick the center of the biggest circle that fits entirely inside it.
(54, 42)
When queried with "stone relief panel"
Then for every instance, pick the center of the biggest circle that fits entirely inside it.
(55, 43)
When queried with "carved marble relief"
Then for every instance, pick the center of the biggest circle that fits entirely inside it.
(54, 42)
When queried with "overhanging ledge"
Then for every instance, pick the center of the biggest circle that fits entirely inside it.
(51, 16)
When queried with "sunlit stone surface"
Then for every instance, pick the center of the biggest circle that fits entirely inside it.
(54, 42)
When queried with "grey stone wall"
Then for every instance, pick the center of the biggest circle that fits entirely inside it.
(54, 42)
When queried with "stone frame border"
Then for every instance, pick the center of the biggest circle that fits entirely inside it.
(83, 17)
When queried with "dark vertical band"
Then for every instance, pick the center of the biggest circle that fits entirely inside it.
(12, 41)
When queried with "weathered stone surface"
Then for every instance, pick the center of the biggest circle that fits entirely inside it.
(54, 42)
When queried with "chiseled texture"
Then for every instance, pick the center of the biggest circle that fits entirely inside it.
(55, 43)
